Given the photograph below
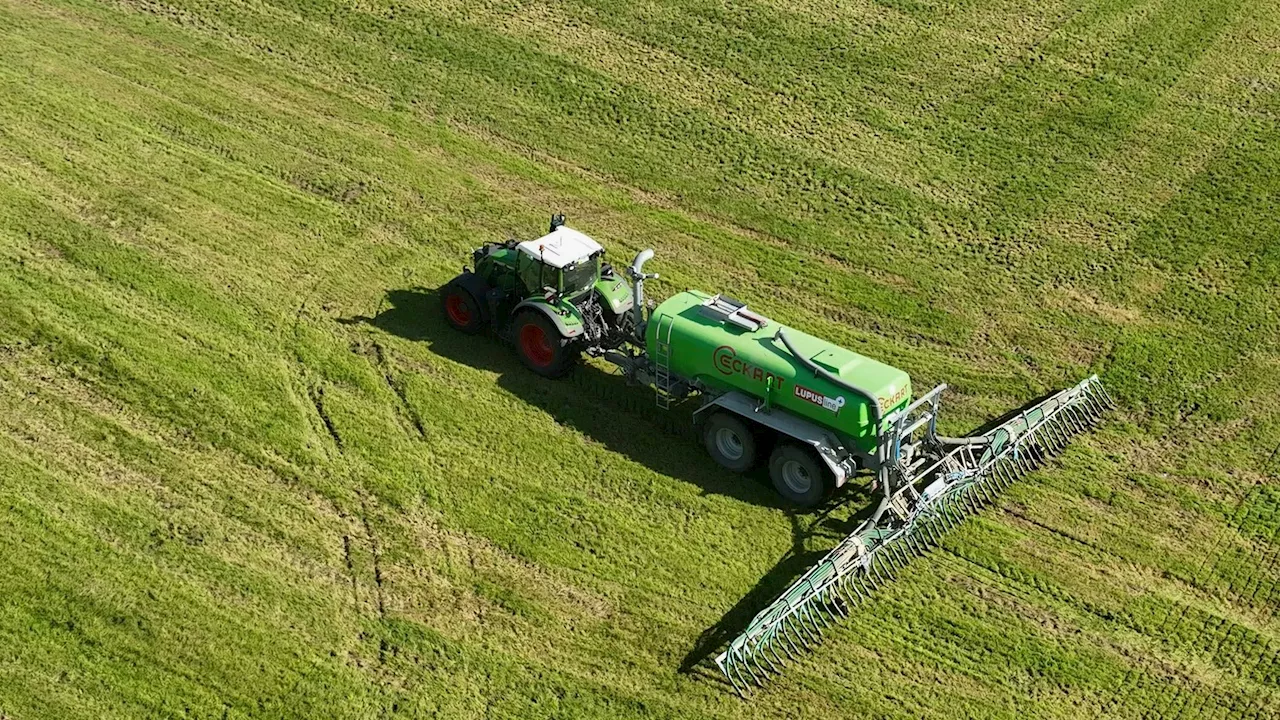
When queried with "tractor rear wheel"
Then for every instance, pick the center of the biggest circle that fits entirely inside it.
(798, 476)
(730, 442)
(540, 346)
(461, 309)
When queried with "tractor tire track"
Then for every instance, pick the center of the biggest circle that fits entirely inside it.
(317, 398)
(376, 551)
(406, 414)
(351, 569)
(316, 393)
(1177, 615)
(336, 450)
(1063, 534)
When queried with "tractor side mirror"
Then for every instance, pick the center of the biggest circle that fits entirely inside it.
(556, 221)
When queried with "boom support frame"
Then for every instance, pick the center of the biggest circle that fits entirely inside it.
(930, 483)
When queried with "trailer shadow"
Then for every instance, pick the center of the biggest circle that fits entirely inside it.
(812, 537)
(589, 400)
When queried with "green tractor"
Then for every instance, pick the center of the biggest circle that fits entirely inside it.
(819, 416)
(554, 298)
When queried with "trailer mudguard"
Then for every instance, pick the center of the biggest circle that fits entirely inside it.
(838, 458)
(570, 326)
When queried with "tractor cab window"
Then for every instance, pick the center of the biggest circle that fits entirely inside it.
(580, 275)
(534, 274)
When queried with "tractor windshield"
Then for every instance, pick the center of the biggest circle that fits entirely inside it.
(580, 276)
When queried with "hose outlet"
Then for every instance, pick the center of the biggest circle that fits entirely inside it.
(638, 276)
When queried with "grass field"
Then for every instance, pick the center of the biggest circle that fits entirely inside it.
(246, 471)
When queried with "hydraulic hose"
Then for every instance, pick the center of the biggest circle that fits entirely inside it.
(975, 440)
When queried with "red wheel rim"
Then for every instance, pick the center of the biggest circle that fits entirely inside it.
(533, 341)
(457, 308)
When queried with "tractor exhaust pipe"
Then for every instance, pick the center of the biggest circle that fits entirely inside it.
(638, 276)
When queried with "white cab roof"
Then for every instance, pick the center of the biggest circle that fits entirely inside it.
(563, 246)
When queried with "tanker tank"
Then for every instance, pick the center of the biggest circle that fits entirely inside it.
(718, 344)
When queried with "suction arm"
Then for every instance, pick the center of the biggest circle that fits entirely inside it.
(637, 265)
(638, 276)
(876, 413)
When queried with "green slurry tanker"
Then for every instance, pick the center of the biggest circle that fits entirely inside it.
(816, 413)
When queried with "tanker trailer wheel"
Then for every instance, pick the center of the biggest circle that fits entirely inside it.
(798, 476)
(540, 346)
(730, 442)
(461, 309)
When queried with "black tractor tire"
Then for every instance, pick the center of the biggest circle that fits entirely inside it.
(461, 309)
(730, 442)
(799, 476)
(541, 347)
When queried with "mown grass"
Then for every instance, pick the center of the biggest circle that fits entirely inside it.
(246, 471)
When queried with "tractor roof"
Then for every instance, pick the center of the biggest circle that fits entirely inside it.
(562, 246)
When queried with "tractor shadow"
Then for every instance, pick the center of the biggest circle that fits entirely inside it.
(599, 404)
(625, 419)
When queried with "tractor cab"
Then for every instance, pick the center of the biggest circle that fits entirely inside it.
(554, 297)
(564, 261)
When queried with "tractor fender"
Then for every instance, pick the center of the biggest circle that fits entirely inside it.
(478, 288)
(615, 294)
(569, 327)
(839, 459)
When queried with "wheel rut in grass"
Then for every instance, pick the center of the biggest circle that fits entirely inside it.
(360, 524)
(376, 551)
(1072, 538)
(316, 393)
(317, 399)
(386, 368)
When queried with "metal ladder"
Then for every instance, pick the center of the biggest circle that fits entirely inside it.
(663, 381)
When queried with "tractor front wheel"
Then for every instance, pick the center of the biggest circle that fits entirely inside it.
(461, 309)
(798, 476)
(730, 442)
(540, 346)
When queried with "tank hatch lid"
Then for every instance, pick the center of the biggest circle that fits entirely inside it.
(732, 311)
(837, 360)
